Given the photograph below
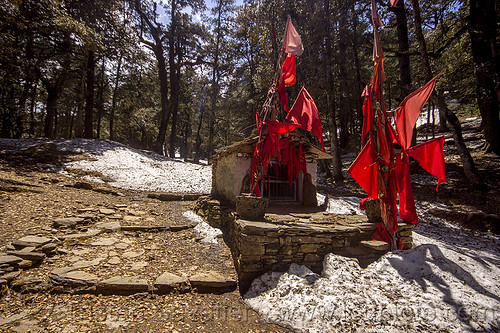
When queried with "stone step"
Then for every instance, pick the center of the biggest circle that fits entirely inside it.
(376, 245)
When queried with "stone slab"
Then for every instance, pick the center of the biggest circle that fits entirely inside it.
(68, 222)
(376, 245)
(168, 282)
(74, 279)
(35, 240)
(212, 282)
(122, 285)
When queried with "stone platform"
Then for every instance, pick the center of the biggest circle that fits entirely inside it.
(295, 237)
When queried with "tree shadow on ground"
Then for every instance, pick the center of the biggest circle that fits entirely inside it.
(417, 265)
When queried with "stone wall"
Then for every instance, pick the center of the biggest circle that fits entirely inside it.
(272, 245)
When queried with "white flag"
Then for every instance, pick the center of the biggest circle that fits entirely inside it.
(293, 42)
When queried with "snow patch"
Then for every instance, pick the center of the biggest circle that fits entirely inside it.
(208, 233)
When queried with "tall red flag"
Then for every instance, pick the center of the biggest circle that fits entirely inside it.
(289, 70)
(292, 42)
(305, 113)
(367, 113)
(409, 110)
(282, 95)
(377, 22)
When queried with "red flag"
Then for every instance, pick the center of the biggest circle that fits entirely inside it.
(289, 70)
(305, 113)
(292, 43)
(394, 3)
(364, 170)
(407, 209)
(282, 94)
(367, 113)
(281, 128)
(377, 22)
(409, 110)
(378, 79)
(430, 155)
(258, 121)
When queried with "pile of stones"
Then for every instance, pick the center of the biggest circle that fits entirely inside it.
(22, 254)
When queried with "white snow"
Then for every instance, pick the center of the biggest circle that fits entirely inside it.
(139, 170)
(448, 282)
(208, 233)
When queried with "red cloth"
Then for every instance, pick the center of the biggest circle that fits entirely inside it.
(258, 121)
(289, 70)
(282, 94)
(378, 53)
(377, 79)
(430, 155)
(281, 128)
(305, 113)
(394, 3)
(292, 42)
(384, 148)
(367, 113)
(364, 170)
(407, 209)
(409, 110)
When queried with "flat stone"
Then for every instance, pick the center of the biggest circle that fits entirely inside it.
(28, 249)
(212, 282)
(132, 254)
(105, 241)
(68, 222)
(122, 285)
(33, 256)
(106, 211)
(376, 245)
(145, 228)
(138, 265)
(11, 276)
(108, 226)
(82, 236)
(83, 185)
(114, 261)
(168, 282)
(87, 263)
(25, 264)
(10, 247)
(35, 240)
(131, 218)
(10, 260)
(49, 248)
(86, 216)
(121, 246)
(74, 279)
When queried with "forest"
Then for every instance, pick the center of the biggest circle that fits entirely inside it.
(184, 78)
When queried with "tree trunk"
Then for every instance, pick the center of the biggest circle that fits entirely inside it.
(201, 111)
(80, 95)
(469, 168)
(114, 98)
(330, 95)
(345, 110)
(52, 97)
(88, 130)
(100, 99)
(215, 82)
(483, 21)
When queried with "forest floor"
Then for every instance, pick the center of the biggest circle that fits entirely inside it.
(32, 196)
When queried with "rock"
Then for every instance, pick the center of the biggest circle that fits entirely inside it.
(168, 282)
(11, 276)
(79, 237)
(49, 248)
(33, 256)
(108, 226)
(376, 245)
(74, 279)
(105, 241)
(27, 249)
(249, 207)
(10, 247)
(106, 211)
(121, 246)
(138, 265)
(10, 260)
(28, 284)
(83, 185)
(122, 285)
(131, 218)
(212, 282)
(68, 222)
(132, 254)
(36, 240)
(90, 217)
(114, 261)
(25, 264)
